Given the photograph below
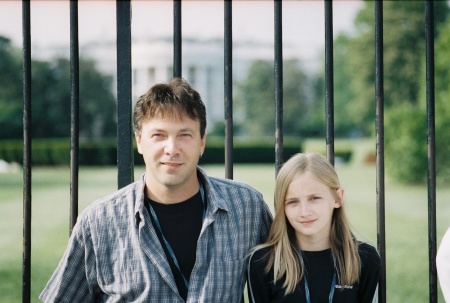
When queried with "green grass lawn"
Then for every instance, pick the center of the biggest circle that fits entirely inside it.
(406, 221)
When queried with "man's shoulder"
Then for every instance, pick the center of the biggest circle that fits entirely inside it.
(118, 200)
(232, 183)
(235, 190)
(222, 184)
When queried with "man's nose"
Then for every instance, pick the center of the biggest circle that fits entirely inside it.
(172, 146)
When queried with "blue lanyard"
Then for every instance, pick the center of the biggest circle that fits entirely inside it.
(333, 282)
(169, 248)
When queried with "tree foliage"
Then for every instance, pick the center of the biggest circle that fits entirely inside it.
(406, 123)
(403, 56)
(11, 105)
(442, 102)
(255, 98)
(51, 97)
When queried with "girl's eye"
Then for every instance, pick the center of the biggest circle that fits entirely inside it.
(315, 198)
(291, 202)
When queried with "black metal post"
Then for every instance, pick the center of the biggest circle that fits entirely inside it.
(124, 130)
(431, 171)
(329, 81)
(228, 83)
(379, 125)
(278, 85)
(75, 109)
(177, 64)
(26, 264)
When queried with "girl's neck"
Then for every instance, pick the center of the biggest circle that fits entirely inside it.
(313, 244)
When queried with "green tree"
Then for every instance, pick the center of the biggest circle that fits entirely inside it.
(406, 125)
(403, 53)
(11, 104)
(50, 98)
(255, 100)
(442, 96)
(344, 125)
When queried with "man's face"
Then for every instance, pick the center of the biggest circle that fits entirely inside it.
(171, 148)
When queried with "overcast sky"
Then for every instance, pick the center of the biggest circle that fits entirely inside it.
(303, 21)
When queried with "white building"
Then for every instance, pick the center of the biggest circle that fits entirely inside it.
(202, 65)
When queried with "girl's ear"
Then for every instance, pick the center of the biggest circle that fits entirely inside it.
(340, 201)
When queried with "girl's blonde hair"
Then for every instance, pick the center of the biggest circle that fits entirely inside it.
(283, 255)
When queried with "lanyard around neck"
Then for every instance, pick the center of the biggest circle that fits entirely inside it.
(333, 282)
(166, 243)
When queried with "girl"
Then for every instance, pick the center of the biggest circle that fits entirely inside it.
(311, 254)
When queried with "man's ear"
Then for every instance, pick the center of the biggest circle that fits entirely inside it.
(137, 136)
(202, 147)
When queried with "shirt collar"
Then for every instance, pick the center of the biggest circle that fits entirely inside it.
(214, 200)
(139, 200)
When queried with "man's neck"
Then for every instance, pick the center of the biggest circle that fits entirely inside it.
(171, 194)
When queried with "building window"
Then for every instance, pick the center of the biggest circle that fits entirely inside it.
(192, 73)
(151, 75)
(135, 76)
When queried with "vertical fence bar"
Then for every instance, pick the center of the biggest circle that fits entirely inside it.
(124, 130)
(228, 83)
(26, 264)
(177, 38)
(379, 128)
(431, 171)
(75, 109)
(278, 22)
(329, 81)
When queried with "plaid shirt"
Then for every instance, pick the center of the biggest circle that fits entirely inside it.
(114, 254)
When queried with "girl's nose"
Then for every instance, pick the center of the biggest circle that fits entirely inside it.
(305, 208)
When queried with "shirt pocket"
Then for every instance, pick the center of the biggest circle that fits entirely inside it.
(230, 278)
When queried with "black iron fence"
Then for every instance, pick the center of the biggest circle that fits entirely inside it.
(124, 104)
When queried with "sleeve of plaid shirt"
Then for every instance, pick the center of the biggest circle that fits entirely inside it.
(70, 283)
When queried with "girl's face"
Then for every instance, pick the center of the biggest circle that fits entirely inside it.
(309, 206)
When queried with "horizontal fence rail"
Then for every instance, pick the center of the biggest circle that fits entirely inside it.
(125, 163)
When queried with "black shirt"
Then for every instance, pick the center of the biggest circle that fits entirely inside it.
(319, 272)
(181, 224)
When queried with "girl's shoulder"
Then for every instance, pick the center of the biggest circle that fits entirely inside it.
(257, 263)
(369, 255)
(260, 254)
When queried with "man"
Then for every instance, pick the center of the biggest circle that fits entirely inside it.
(176, 235)
(443, 265)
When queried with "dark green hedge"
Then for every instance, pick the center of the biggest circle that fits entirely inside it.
(57, 151)
(104, 151)
(249, 150)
